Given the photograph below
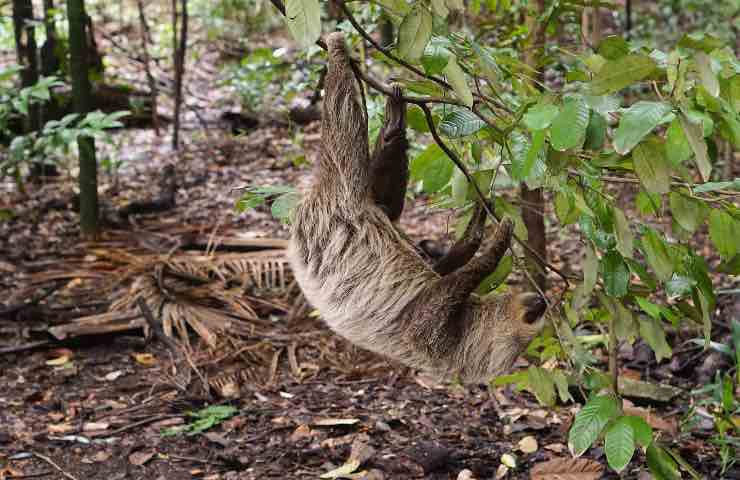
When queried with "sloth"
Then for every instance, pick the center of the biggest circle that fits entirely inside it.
(364, 275)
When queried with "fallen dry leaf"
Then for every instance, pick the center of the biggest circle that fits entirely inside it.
(332, 422)
(556, 447)
(60, 428)
(465, 475)
(303, 431)
(528, 444)
(567, 469)
(501, 471)
(93, 426)
(140, 458)
(113, 375)
(145, 359)
(669, 425)
(508, 460)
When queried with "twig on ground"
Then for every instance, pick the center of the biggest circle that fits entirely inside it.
(57, 467)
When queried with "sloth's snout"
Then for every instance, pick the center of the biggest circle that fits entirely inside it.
(534, 306)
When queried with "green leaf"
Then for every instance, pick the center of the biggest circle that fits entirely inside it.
(625, 237)
(521, 170)
(614, 75)
(541, 384)
(414, 33)
(679, 286)
(416, 119)
(677, 146)
(695, 135)
(439, 8)
(637, 122)
(714, 186)
(249, 201)
(456, 77)
(540, 116)
(643, 432)
(657, 255)
(595, 132)
(706, 75)
(282, 206)
(651, 166)
(492, 281)
(700, 41)
(583, 291)
(304, 21)
(651, 329)
(590, 421)
(616, 274)
(724, 231)
(688, 212)
(619, 444)
(433, 168)
(565, 208)
(661, 464)
(460, 122)
(613, 47)
(561, 383)
(602, 104)
(436, 55)
(568, 129)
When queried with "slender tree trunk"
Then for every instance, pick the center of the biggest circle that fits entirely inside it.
(25, 46)
(82, 98)
(145, 39)
(50, 62)
(180, 44)
(533, 204)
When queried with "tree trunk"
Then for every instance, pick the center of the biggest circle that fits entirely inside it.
(145, 39)
(82, 99)
(180, 45)
(50, 61)
(25, 46)
(533, 204)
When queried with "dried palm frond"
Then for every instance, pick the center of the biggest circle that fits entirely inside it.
(199, 292)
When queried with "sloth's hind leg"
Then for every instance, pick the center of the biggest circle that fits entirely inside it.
(464, 249)
(389, 164)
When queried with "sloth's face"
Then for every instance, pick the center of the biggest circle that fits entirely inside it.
(529, 309)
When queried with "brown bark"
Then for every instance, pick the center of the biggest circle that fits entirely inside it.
(533, 205)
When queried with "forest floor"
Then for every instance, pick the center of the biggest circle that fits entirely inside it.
(100, 406)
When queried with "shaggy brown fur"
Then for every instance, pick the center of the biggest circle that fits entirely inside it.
(368, 280)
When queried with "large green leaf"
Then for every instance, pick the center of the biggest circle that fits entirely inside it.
(619, 444)
(695, 135)
(613, 47)
(651, 329)
(714, 186)
(637, 122)
(590, 421)
(614, 75)
(595, 132)
(436, 55)
(457, 79)
(414, 33)
(433, 168)
(724, 231)
(542, 385)
(661, 464)
(706, 75)
(651, 166)
(460, 122)
(657, 255)
(568, 129)
(687, 211)
(677, 145)
(491, 282)
(304, 21)
(643, 431)
(615, 273)
(625, 237)
(540, 116)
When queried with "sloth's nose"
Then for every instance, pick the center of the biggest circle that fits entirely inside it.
(535, 306)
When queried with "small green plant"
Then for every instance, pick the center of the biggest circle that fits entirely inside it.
(283, 199)
(56, 137)
(720, 399)
(204, 419)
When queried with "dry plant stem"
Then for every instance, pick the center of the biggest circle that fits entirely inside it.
(613, 350)
(53, 464)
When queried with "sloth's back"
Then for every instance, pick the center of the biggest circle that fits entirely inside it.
(359, 272)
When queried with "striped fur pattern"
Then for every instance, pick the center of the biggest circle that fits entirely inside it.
(369, 282)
